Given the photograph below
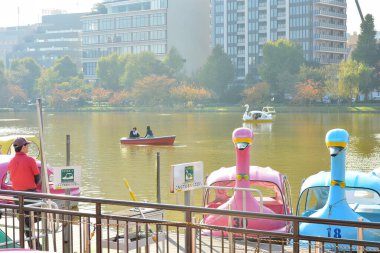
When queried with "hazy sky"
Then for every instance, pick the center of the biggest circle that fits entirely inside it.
(31, 11)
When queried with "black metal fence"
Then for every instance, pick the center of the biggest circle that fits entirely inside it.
(139, 226)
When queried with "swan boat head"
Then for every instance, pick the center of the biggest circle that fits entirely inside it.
(336, 206)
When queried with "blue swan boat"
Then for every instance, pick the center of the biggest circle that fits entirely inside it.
(332, 195)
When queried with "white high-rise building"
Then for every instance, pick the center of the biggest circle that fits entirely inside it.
(242, 27)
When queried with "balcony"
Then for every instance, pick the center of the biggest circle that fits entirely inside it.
(332, 49)
(328, 61)
(330, 37)
(262, 6)
(330, 14)
(262, 17)
(330, 26)
(331, 3)
(262, 29)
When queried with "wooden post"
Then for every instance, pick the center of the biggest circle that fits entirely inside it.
(67, 237)
(158, 178)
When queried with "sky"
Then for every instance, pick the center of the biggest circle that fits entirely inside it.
(30, 11)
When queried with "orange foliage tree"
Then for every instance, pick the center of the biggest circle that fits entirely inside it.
(100, 95)
(62, 99)
(16, 94)
(153, 90)
(119, 98)
(189, 94)
(308, 92)
(256, 94)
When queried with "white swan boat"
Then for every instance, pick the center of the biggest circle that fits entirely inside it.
(256, 116)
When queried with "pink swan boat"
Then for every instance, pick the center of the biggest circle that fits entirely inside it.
(270, 193)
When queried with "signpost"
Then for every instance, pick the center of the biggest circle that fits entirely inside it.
(186, 176)
(67, 177)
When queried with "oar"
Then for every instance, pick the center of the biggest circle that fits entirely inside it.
(133, 196)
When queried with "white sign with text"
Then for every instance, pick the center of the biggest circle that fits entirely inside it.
(186, 176)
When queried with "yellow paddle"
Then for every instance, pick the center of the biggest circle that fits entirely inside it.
(133, 196)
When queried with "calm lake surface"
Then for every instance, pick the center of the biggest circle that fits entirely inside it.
(293, 144)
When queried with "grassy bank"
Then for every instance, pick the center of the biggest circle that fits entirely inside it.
(280, 108)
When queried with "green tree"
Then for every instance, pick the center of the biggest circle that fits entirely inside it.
(25, 72)
(3, 79)
(365, 84)
(252, 76)
(281, 59)
(367, 50)
(175, 62)
(331, 86)
(142, 65)
(351, 74)
(65, 67)
(316, 74)
(99, 8)
(218, 72)
(46, 82)
(110, 69)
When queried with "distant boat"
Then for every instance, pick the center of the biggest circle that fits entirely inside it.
(256, 116)
(269, 110)
(162, 140)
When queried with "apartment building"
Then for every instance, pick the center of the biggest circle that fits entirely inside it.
(242, 27)
(56, 36)
(147, 25)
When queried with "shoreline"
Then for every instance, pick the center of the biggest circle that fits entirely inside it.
(357, 108)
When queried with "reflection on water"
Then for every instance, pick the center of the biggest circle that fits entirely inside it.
(292, 144)
(259, 127)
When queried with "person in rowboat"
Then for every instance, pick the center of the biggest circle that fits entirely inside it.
(134, 133)
(149, 132)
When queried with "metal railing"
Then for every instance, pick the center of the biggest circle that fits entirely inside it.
(97, 229)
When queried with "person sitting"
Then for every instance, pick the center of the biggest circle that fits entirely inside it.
(149, 133)
(134, 133)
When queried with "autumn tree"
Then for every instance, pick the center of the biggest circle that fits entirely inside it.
(281, 62)
(119, 98)
(307, 92)
(61, 99)
(218, 72)
(190, 94)
(153, 90)
(16, 94)
(257, 94)
(100, 95)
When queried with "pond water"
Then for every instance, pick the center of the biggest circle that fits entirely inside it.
(293, 144)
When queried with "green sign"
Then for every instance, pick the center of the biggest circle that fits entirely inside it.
(189, 173)
(67, 175)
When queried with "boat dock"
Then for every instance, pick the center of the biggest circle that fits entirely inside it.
(104, 231)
